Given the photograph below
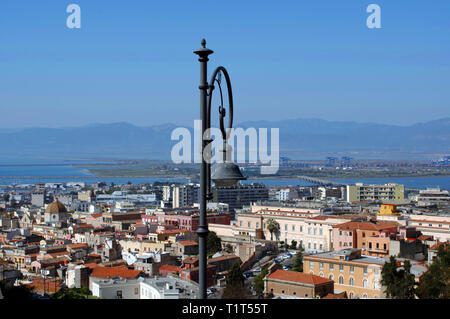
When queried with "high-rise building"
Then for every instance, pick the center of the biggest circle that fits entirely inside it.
(186, 195)
(240, 195)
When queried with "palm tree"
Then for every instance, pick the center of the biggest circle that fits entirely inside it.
(272, 226)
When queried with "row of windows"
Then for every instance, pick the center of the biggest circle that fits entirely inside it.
(341, 268)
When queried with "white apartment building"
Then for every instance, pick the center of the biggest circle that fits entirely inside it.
(145, 288)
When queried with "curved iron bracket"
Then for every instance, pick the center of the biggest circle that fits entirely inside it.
(217, 78)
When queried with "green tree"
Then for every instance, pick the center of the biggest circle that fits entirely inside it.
(213, 243)
(236, 287)
(272, 227)
(398, 283)
(72, 293)
(297, 265)
(259, 280)
(293, 244)
(435, 283)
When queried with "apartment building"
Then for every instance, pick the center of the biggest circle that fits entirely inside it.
(240, 195)
(373, 239)
(387, 192)
(358, 275)
(185, 195)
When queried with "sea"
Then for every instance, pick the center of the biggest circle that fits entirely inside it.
(31, 171)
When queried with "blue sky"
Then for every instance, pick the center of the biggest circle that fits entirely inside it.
(132, 61)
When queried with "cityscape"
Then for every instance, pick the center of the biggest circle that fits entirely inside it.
(211, 200)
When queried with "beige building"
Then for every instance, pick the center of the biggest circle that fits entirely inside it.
(387, 192)
(358, 275)
(436, 226)
(310, 230)
(142, 246)
(297, 284)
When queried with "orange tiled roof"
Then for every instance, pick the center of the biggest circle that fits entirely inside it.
(300, 277)
(188, 243)
(75, 246)
(110, 272)
(362, 226)
(170, 268)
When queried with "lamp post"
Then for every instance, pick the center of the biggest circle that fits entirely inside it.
(224, 173)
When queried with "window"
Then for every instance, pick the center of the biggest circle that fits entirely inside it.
(351, 282)
(321, 274)
(384, 246)
(440, 225)
(309, 245)
(119, 294)
(364, 234)
(331, 266)
(365, 283)
(315, 246)
(240, 223)
(340, 233)
(320, 232)
(351, 295)
(285, 227)
(370, 245)
(341, 268)
(321, 265)
(378, 245)
(331, 277)
(315, 231)
(301, 229)
(377, 271)
(248, 224)
(309, 231)
(365, 271)
(352, 269)
(341, 280)
(311, 265)
(321, 246)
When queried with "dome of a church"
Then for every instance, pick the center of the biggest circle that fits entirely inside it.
(56, 207)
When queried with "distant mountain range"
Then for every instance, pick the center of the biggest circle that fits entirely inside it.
(299, 138)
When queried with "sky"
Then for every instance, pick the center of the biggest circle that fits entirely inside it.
(133, 61)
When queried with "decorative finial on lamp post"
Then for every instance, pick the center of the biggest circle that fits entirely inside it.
(203, 43)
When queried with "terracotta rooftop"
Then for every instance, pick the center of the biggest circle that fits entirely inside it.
(362, 226)
(300, 277)
(76, 246)
(111, 272)
(169, 268)
(188, 243)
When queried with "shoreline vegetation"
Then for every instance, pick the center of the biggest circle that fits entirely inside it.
(253, 174)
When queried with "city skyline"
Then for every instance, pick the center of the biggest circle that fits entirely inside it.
(135, 64)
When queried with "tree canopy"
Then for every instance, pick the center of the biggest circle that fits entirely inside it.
(398, 281)
(435, 283)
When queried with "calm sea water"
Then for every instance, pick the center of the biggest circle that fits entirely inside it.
(16, 173)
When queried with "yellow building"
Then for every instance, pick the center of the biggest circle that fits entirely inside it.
(389, 210)
(358, 275)
(387, 192)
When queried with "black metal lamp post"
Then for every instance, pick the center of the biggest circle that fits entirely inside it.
(224, 173)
